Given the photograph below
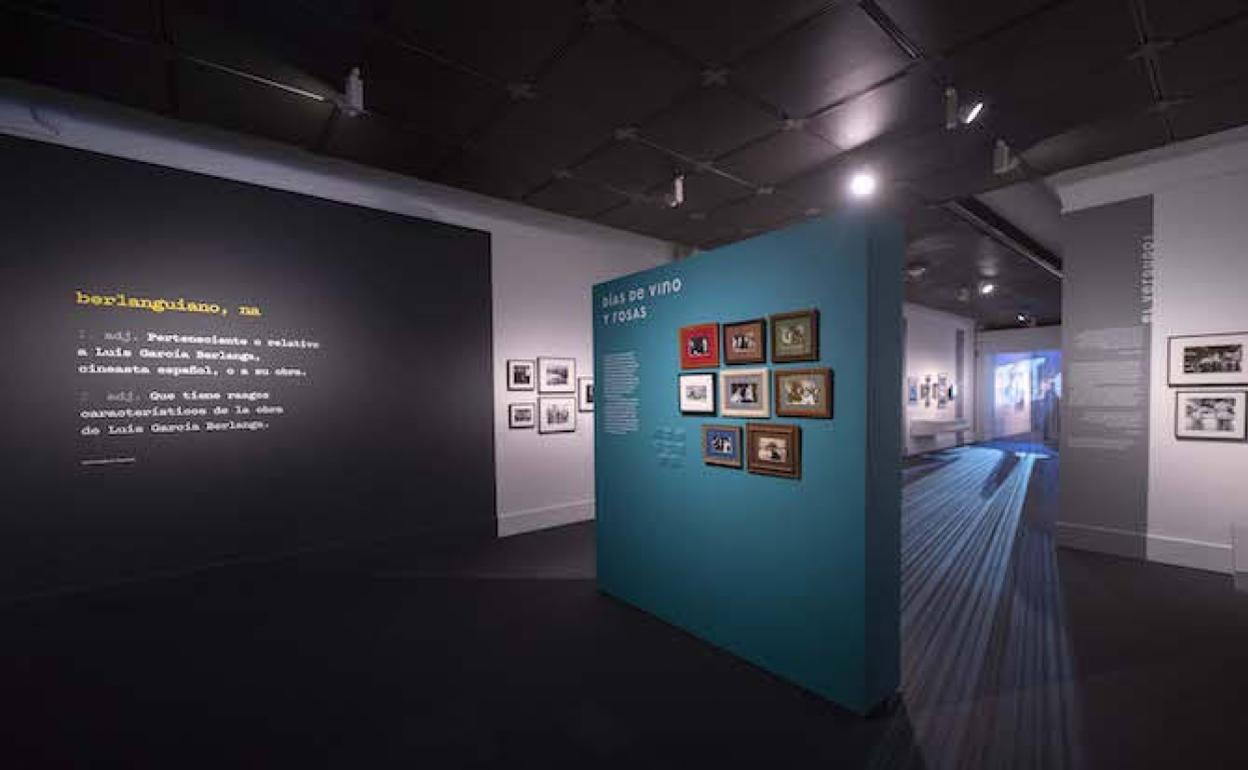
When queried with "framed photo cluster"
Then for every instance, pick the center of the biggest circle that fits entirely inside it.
(744, 389)
(942, 390)
(1206, 409)
(563, 394)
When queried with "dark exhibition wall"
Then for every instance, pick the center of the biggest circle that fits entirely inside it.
(747, 445)
(203, 370)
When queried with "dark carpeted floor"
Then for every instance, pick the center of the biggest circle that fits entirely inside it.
(507, 656)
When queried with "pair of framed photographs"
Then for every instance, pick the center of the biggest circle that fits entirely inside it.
(794, 338)
(545, 375)
(554, 414)
(747, 393)
(771, 450)
(1211, 362)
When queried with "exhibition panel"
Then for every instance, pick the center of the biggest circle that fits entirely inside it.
(757, 505)
(208, 370)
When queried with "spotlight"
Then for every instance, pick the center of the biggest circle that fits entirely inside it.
(951, 108)
(353, 98)
(987, 287)
(677, 195)
(976, 108)
(862, 184)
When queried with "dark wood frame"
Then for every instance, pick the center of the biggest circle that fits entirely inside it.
(714, 392)
(571, 375)
(713, 460)
(726, 349)
(532, 364)
(813, 355)
(710, 363)
(756, 430)
(511, 419)
(1178, 394)
(824, 413)
(1170, 362)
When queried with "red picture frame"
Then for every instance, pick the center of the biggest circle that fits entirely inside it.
(699, 346)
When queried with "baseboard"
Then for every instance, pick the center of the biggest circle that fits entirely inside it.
(1180, 552)
(517, 522)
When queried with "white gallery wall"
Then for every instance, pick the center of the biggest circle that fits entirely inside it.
(543, 268)
(1197, 490)
(932, 349)
(991, 343)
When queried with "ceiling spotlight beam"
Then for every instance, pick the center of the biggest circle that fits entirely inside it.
(1001, 230)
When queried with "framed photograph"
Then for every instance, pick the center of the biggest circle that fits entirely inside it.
(1211, 415)
(795, 336)
(804, 393)
(699, 346)
(521, 415)
(584, 394)
(744, 393)
(721, 445)
(556, 415)
(912, 390)
(942, 391)
(697, 393)
(1209, 359)
(745, 342)
(520, 374)
(774, 450)
(556, 375)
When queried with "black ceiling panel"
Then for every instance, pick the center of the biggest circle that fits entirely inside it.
(839, 53)
(710, 122)
(717, 32)
(1207, 62)
(617, 77)
(132, 18)
(1096, 142)
(35, 48)
(646, 216)
(575, 198)
(485, 173)
(1048, 54)
(376, 141)
(438, 99)
(910, 103)
(630, 166)
(938, 26)
(758, 213)
(540, 136)
(705, 191)
(1216, 110)
(1169, 20)
(779, 157)
(508, 39)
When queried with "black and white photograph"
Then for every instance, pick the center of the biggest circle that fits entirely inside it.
(585, 394)
(745, 393)
(556, 415)
(520, 374)
(774, 450)
(804, 393)
(1211, 359)
(556, 375)
(1211, 415)
(697, 393)
(745, 342)
(521, 415)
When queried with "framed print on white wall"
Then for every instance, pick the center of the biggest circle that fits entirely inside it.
(556, 375)
(519, 374)
(521, 415)
(556, 415)
(585, 394)
(1208, 359)
(1211, 415)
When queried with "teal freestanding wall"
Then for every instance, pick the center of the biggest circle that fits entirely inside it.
(800, 576)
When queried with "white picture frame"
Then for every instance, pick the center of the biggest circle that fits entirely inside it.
(1208, 359)
(745, 393)
(556, 375)
(1211, 415)
(520, 416)
(556, 414)
(696, 393)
